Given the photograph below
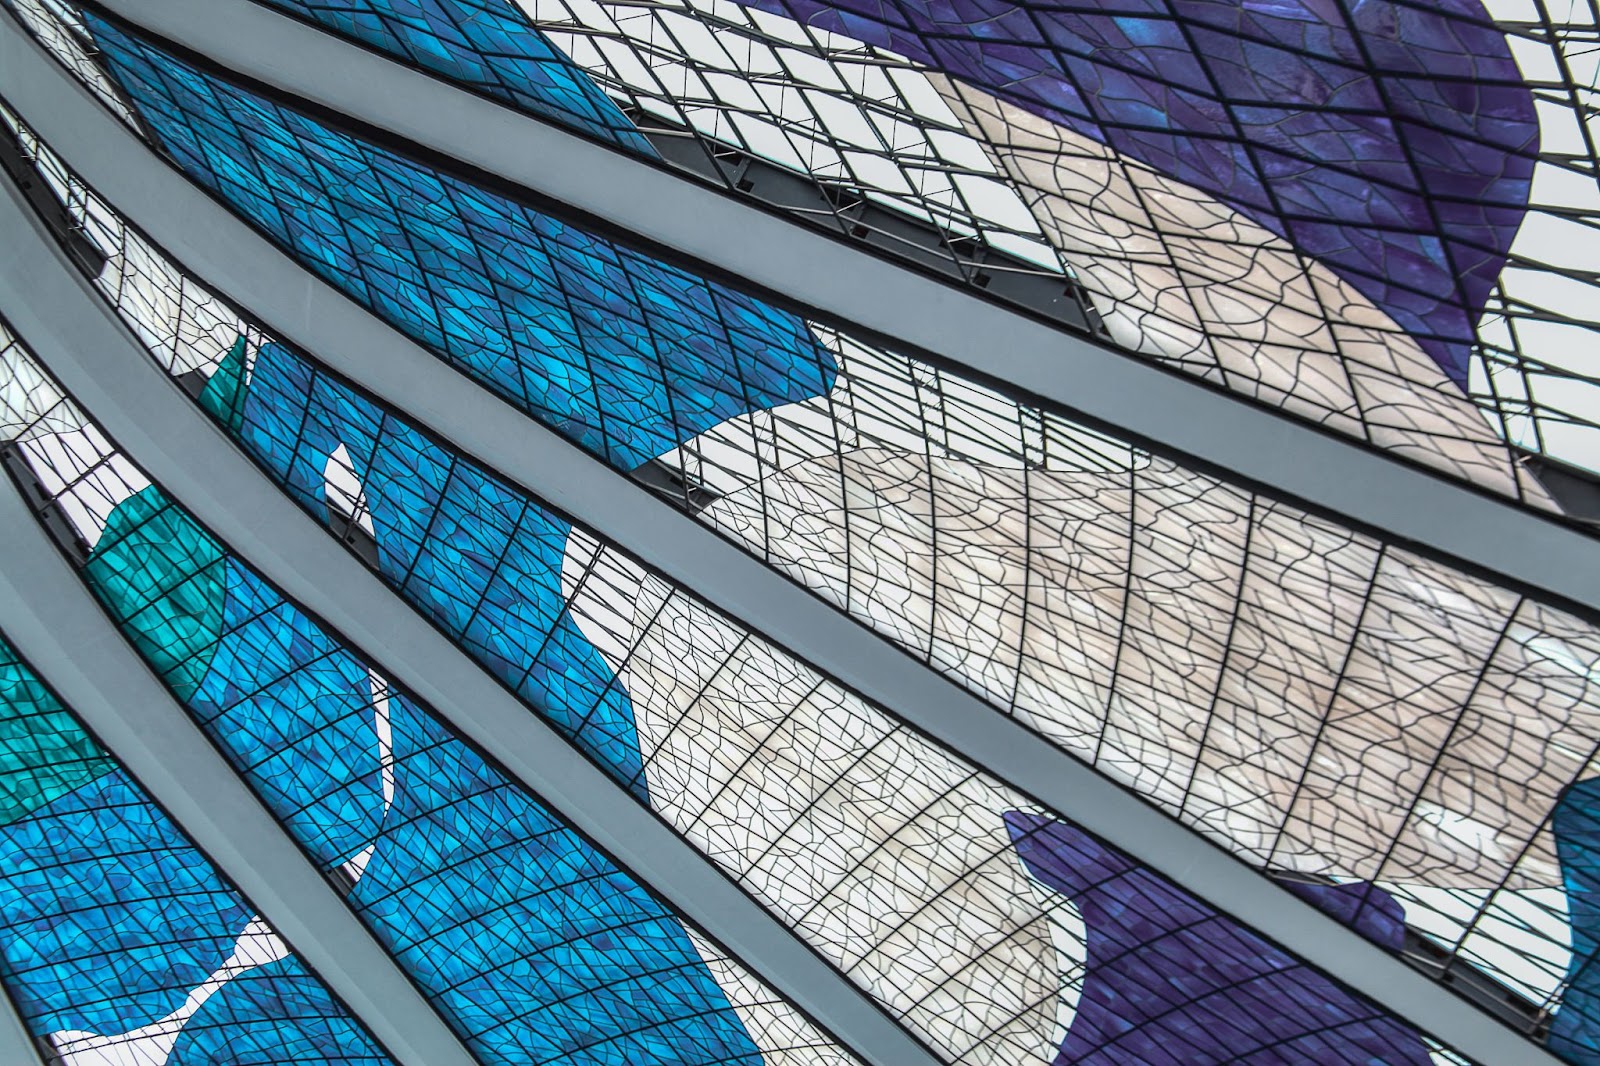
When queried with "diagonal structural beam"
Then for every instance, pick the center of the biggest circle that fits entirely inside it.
(102, 365)
(16, 1043)
(730, 237)
(72, 331)
(55, 623)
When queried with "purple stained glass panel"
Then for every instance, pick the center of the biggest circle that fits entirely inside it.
(1395, 143)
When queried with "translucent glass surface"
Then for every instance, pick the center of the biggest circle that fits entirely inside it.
(1321, 702)
(487, 44)
(1378, 215)
(120, 943)
(530, 942)
(1326, 704)
(622, 353)
(907, 867)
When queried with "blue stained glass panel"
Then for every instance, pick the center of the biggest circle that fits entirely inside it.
(476, 556)
(572, 962)
(1393, 141)
(1575, 1029)
(43, 752)
(110, 918)
(624, 354)
(302, 724)
(273, 1014)
(294, 709)
(535, 946)
(1363, 906)
(487, 44)
(295, 416)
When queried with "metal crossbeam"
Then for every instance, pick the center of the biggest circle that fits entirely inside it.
(221, 487)
(730, 237)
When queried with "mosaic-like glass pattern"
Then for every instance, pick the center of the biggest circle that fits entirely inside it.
(488, 45)
(1533, 920)
(530, 942)
(1375, 215)
(120, 943)
(1230, 988)
(625, 355)
(1323, 703)
(893, 857)
(60, 29)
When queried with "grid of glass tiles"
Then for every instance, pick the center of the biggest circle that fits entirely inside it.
(877, 846)
(1380, 215)
(944, 411)
(119, 941)
(529, 941)
(1349, 801)
(1277, 681)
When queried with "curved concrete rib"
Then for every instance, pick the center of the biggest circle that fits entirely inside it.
(78, 337)
(16, 1043)
(154, 420)
(1286, 455)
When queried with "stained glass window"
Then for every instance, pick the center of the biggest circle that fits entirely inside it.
(530, 942)
(1377, 215)
(119, 941)
(468, 880)
(1324, 795)
(1344, 210)
(622, 353)
(489, 45)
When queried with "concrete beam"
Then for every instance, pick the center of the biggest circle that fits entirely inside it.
(16, 1042)
(76, 334)
(306, 311)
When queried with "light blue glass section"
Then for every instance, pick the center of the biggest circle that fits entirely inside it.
(622, 353)
(487, 44)
(563, 958)
(1575, 1029)
(270, 1015)
(109, 917)
(477, 557)
(205, 626)
(293, 710)
(534, 945)
(168, 573)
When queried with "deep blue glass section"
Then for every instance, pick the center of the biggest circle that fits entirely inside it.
(624, 354)
(1392, 140)
(109, 916)
(1575, 1028)
(488, 44)
(476, 556)
(533, 944)
(1361, 905)
(271, 1015)
(1172, 982)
